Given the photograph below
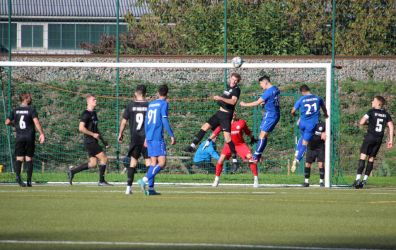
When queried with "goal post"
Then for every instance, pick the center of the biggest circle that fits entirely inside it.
(185, 66)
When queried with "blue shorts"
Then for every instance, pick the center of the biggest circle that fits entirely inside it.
(156, 148)
(268, 123)
(307, 130)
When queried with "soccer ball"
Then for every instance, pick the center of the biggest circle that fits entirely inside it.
(237, 62)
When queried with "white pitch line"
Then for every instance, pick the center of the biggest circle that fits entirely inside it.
(159, 244)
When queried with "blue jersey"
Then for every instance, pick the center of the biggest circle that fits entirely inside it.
(271, 99)
(309, 108)
(156, 120)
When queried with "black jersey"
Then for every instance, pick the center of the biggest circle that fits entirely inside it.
(228, 94)
(135, 113)
(90, 119)
(316, 141)
(377, 121)
(22, 117)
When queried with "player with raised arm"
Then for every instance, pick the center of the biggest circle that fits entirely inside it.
(377, 119)
(89, 127)
(316, 151)
(309, 107)
(238, 129)
(135, 113)
(223, 116)
(25, 120)
(154, 124)
(270, 99)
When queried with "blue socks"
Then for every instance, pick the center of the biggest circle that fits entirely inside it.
(300, 150)
(151, 173)
(262, 143)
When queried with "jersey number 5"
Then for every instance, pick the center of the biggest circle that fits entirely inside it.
(22, 123)
(378, 126)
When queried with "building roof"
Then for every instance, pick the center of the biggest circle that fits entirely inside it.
(72, 8)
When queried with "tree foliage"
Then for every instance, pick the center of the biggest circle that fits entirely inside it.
(263, 27)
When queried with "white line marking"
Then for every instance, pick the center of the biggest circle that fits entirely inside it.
(159, 244)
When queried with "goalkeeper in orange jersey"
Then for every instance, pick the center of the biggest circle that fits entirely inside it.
(238, 129)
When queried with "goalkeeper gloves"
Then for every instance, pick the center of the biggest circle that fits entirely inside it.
(253, 140)
(207, 143)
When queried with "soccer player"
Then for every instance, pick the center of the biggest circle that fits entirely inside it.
(238, 129)
(377, 119)
(205, 152)
(270, 99)
(309, 107)
(316, 151)
(223, 116)
(154, 124)
(25, 119)
(135, 112)
(89, 127)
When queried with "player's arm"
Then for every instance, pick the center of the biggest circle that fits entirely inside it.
(293, 111)
(364, 120)
(39, 129)
(212, 136)
(259, 101)
(165, 122)
(213, 153)
(122, 128)
(85, 131)
(233, 100)
(10, 120)
(324, 109)
(391, 132)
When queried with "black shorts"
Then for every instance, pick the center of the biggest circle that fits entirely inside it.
(93, 149)
(24, 147)
(317, 154)
(371, 145)
(135, 150)
(223, 119)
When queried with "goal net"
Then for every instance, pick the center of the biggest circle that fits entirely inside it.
(59, 88)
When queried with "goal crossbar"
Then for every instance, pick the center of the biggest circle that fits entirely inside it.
(245, 65)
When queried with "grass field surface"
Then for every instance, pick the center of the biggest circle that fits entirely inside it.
(185, 217)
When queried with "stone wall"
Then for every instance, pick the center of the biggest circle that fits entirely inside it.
(378, 69)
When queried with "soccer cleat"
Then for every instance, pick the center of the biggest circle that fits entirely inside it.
(255, 183)
(142, 185)
(361, 184)
(294, 166)
(321, 184)
(104, 184)
(128, 190)
(152, 192)
(306, 184)
(189, 149)
(20, 182)
(70, 177)
(216, 182)
(29, 184)
(355, 184)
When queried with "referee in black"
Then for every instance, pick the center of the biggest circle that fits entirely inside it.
(25, 119)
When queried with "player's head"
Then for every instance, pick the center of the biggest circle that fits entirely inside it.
(91, 100)
(163, 90)
(25, 98)
(378, 102)
(304, 89)
(140, 90)
(235, 78)
(264, 81)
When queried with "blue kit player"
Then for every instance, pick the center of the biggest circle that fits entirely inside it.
(155, 122)
(270, 101)
(309, 108)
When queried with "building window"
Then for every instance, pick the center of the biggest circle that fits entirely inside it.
(4, 36)
(32, 36)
